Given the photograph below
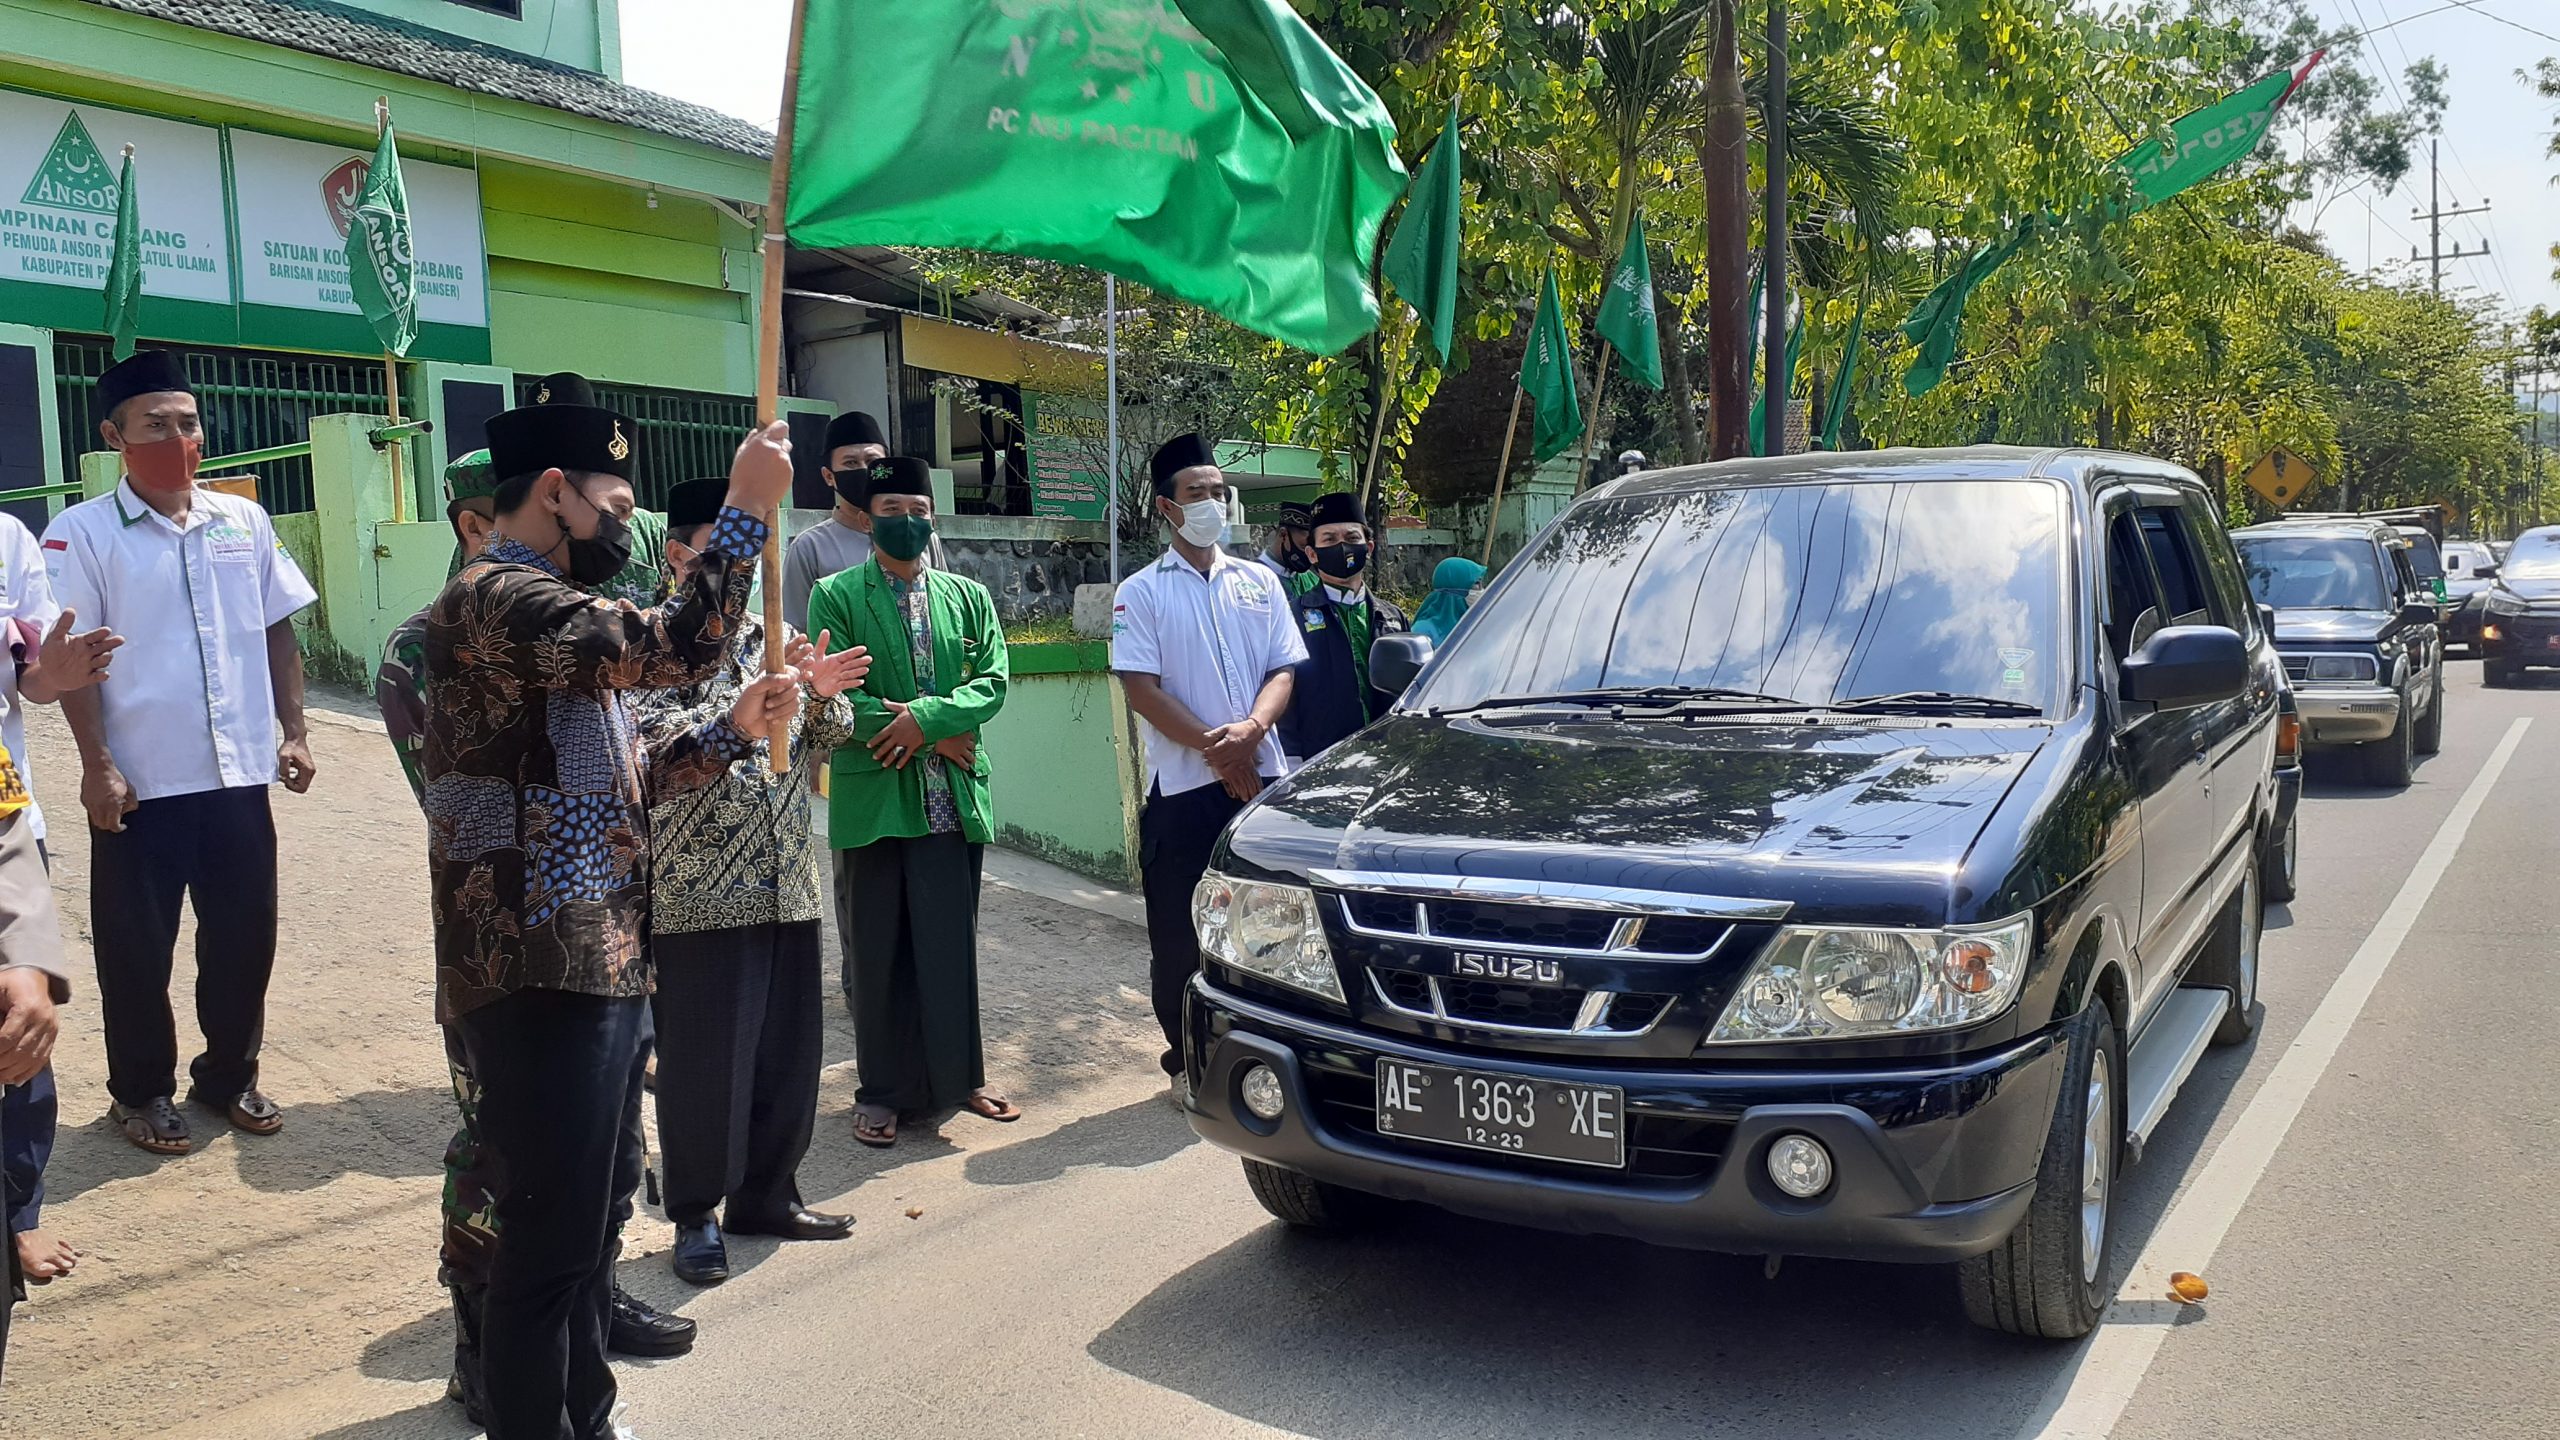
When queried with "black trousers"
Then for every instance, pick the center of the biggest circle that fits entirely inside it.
(910, 908)
(739, 1037)
(216, 848)
(10, 1285)
(1175, 834)
(559, 1098)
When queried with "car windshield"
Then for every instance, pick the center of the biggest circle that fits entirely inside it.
(2534, 556)
(2423, 555)
(2313, 572)
(1909, 593)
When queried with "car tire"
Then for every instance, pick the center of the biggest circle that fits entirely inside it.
(1307, 1204)
(2499, 674)
(2280, 859)
(2430, 736)
(2229, 961)
(2053, 1275)
(2390, 761)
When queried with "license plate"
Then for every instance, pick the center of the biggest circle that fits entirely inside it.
(1506, 1114)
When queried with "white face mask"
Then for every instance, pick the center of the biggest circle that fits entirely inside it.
(1204, 522)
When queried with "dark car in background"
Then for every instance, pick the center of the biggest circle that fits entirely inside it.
(2469, 566)
(2359, 637)
(2520, 609)
(1842, 855)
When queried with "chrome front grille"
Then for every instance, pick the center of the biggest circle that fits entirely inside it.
(1516, 1009)
(1534, 929)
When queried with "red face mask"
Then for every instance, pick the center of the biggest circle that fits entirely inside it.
(164, 465)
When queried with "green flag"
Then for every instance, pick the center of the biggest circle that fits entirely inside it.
(381, 268)
(1626, 313)
(1212, 149)
(2203, 143)
(124, 269)
(1843, 386)
(1786, 383)
(1546, 372)
(1937, 322)
(1422, 261)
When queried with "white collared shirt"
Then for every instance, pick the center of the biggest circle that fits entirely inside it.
(1211, 640)
(24, 597)
(189, 704)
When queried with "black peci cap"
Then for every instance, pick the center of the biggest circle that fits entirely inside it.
(853, 427)
(696, 502)
(149, 372)
(1182, 452)
(1295, 516)
(899, 475)
(1338, 508)
(534, 438)
(564, 388)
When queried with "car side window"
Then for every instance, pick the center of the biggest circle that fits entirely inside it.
(2133, 600)
(2232, 606)
(2404, 576)
(2173, 558)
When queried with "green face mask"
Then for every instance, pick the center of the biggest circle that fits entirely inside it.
(902, 537)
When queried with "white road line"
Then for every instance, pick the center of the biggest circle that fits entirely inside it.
(2088, 1399)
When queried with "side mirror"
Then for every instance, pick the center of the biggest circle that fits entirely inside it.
(2485, 572)
(2267, 620)
(1395, 660)
(2418, 612)
(2184, 666)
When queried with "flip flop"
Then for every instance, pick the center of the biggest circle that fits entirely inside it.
(992, 1107)
(877, 1134)
(154, 1125)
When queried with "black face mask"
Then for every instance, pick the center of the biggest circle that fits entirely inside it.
(592, 562)
(1343, 561)
(1294, 560)
(849, 485)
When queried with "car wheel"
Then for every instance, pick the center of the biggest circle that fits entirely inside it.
(1307, 1204)
(2498, 674)
(2389, 761)
(2277, 859)
(2230, 958)
(2430, 736)
(2051, 1276)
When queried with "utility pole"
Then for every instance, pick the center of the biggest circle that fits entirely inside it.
(2435, 215)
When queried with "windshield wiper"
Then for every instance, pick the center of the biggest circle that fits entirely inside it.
(1645, 696)
(1939, 700)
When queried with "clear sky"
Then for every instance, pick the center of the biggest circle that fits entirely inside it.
(727, 54)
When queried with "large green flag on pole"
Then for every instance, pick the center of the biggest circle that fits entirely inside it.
(1546, 372)
(2200, 145)
(124, 269)
(1844, 385)
(1626, 313)
(382, 268)
(1422, 260)
(1213, 149)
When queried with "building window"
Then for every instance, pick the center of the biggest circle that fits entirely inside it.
(684, 435)
(512, 9)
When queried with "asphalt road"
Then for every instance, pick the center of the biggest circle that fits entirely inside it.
(1094, 1271)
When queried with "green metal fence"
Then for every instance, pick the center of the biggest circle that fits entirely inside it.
(251, 400)
(683, 434)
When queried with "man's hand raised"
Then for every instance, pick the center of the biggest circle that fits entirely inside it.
(760, 476)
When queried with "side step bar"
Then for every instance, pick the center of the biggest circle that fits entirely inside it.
(2167, 1053)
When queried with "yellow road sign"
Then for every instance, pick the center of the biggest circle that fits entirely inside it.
(2283, 477)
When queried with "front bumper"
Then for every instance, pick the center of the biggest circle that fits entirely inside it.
(2347, 714)
(1934, 1163)
(2530, 637)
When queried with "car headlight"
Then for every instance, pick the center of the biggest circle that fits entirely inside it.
(1832, 983)
(2344, 667)
(1267, 930)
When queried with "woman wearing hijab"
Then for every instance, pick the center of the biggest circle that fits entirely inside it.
(1449, 587)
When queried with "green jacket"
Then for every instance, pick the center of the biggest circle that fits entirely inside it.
(867, 801)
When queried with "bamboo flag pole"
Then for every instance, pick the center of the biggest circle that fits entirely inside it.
(769, 342)
(390, 362)
(1599, 389)
(1493, 517)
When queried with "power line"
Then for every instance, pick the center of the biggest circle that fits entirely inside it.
(2474, 7)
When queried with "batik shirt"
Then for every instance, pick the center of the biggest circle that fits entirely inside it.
(536, 808)
(942, 817)
(744, 849)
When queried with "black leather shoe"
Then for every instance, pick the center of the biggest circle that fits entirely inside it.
(797, 1223)
(701, 1257)
(643, 1333)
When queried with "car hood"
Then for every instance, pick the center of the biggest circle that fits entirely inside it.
(2535, 590)
(2333, 627)
(1875, 815)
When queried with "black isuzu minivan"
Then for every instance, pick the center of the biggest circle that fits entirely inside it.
(1840, 855)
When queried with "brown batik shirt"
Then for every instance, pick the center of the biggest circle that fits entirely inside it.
(537, 779)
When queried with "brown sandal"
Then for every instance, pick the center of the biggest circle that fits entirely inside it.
(154, 1125)
(992, 1107)
(877, 1134)
(248, 1111)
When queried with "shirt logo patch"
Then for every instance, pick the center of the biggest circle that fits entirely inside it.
(1249, 593)
(228, 540)
(1315, 621)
